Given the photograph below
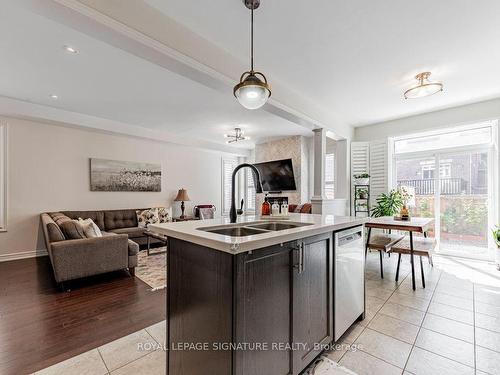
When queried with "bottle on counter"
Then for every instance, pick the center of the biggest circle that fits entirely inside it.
(284, 208)
(275, 209)
(266, 207)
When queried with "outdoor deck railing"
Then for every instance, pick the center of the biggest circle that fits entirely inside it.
(448, 186)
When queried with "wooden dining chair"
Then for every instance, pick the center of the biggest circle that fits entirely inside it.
(422, 247)
(382, 243)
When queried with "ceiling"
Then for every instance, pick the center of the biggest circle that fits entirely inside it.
(350, 59)
(358, 57)
(109, 83)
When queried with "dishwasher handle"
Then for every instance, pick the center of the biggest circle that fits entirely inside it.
(346, 238)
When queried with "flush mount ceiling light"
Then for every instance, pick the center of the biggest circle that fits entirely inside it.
(252, 92)
(238, 136)
(54, 97)
(70, 49)
(424, 87)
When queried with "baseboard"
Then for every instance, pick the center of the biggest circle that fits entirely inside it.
(23, 255)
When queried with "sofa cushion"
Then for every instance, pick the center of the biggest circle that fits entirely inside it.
(146, 217)
(73, 230)
(164, 215)
(116, 219)
(59, 217)
(133, 232)
(96, 216)
(55, 233)
(90, 228)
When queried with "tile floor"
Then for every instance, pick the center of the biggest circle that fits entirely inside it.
(451, 327)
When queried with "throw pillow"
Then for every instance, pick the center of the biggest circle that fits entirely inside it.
(146, 217)
(73, 230)
(298, 209)
(164, 215)
(90, 228)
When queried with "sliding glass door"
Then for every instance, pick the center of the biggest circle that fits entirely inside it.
(463, 203)
(452, 177)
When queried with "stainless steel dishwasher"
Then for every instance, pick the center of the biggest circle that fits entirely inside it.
(349, 288)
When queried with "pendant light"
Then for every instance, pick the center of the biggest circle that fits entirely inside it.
(424, 87)
(252, 92)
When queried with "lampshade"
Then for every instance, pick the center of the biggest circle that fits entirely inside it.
(252, 92)
(182, 196)
(424, 87)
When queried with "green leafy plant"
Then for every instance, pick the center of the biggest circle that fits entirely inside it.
(362, 175)
(496, 235)
(388, 204)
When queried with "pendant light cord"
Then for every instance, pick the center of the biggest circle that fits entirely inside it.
(251, 38)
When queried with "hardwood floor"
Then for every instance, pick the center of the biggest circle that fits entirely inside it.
(40, 325)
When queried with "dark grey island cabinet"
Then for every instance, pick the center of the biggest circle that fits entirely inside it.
(264, 312)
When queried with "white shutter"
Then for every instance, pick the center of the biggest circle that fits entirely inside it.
(329, 175)
(228, 166)
(378, 170)
(250, 191)
(360, 158)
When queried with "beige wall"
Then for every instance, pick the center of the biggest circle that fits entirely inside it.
(49, 170)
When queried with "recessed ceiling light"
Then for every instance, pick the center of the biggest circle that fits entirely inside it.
(54, 97)
(70, 49)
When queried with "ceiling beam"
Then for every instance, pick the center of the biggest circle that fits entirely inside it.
(139, 29)
(10, 107)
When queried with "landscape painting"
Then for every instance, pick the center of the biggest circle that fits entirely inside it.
(115, 175)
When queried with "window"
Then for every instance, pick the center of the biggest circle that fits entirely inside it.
(250, 191)
(228, 166)
(479, 135)
(329, 175)
(3, 176)
(428, 171)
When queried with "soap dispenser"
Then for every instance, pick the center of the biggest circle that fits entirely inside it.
(284, 208)
(275, 209)
(266, 207)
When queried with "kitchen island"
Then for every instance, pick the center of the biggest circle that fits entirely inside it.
(258, 297)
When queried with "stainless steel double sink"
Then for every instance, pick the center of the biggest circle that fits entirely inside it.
(251, 229)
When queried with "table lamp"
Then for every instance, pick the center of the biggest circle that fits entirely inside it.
(182, 196)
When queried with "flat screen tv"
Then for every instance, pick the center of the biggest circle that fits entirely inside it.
(277, 175)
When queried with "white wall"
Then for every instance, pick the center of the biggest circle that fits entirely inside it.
(49, 171)
(466, 114)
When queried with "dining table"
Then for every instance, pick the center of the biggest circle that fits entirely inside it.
(413, 225)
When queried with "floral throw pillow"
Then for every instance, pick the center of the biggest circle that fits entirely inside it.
(164, 215)
(146, 217)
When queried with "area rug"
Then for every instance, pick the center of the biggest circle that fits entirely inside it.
(152, 269)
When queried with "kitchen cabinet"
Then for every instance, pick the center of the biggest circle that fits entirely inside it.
(272, 307)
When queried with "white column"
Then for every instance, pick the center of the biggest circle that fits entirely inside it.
(319, 198)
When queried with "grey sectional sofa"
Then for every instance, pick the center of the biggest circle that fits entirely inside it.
(75, 258)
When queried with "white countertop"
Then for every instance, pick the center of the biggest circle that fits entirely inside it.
(189, 231)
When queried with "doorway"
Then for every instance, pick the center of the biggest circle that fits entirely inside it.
(452, 177)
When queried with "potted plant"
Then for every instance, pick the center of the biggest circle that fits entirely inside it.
(361, 179)
(496, 237)
(388, 204)
(363, 193)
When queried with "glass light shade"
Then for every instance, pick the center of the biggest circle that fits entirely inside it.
(424, 87)
(252, 93)
(424, 90)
